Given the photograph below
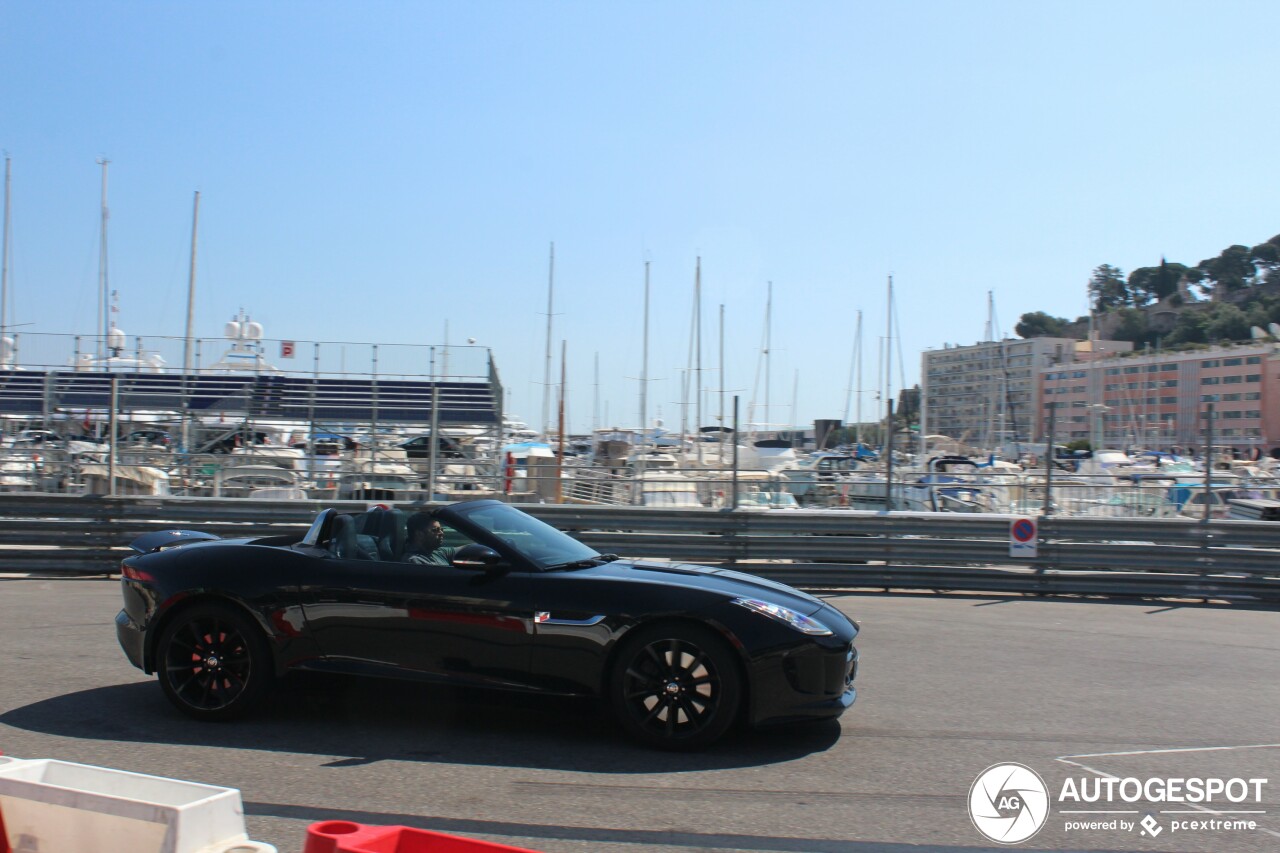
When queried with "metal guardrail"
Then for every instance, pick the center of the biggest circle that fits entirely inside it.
(821, 549)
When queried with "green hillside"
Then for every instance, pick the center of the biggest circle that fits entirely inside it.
(1174, 305)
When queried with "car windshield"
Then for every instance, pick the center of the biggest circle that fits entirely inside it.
(541, 543)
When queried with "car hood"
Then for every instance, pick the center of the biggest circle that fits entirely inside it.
(724, 581)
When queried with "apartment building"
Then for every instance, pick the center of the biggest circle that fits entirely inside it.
(989, 394)
(1160, 400)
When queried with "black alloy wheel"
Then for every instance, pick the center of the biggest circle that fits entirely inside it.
(213, 662)
(676, 686)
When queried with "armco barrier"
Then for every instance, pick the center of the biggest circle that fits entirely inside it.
(827, 549)
(50, 805)
(341, 836)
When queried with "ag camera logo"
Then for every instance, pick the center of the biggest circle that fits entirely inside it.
(1008, 803)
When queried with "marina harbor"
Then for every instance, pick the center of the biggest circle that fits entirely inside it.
(359, 425)
(119, 444)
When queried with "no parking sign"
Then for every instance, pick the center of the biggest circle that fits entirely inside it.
(1022, 538)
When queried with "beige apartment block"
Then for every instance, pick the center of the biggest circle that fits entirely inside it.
(1160, 400)
(989, 394)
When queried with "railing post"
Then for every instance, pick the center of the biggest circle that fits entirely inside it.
(435, 430)
(733, 503)
(112, 422)
(1047, 509)
(373, 421)
(888, 470)
(311, 413)
(1208, 462)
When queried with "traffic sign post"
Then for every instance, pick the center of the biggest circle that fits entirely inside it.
(1023, 538)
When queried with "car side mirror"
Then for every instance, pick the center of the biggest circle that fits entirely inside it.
(477, 558)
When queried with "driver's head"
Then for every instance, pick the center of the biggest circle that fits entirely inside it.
(424, 529)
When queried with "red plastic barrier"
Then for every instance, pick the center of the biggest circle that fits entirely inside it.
(343, 836)
(4, 836)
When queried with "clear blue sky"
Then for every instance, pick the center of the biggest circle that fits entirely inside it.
(371, 170)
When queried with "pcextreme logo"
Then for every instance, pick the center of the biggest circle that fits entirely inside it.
(1008, 803)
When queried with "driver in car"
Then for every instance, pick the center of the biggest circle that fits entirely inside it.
(426, 541)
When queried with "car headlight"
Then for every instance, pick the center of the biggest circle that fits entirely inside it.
(785, 615)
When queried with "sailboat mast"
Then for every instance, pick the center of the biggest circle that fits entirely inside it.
(857, 430)
(560, 452)
(853, 362)
(644, 363)
(697, 319)
(103, 314)
(924, 410)
(721, 421)
(191, 288)
(888, 373)
(644, 390)
(768, 346)
(989, 439)
(4, 251)
(444, 360)
(546, 373)
(888, 347)
(795, 395)
(191, 324)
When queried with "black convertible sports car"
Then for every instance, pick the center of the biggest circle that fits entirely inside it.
(499, 600)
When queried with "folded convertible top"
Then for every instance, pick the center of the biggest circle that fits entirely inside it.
(148, 542)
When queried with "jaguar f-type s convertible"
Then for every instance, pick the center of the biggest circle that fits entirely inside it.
(481, 594)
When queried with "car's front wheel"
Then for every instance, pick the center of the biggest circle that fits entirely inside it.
(676, 686)
(213, 662)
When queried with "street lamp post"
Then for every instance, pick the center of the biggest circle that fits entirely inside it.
(1048, 463)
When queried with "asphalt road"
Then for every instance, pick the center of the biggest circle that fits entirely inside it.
(948, 686)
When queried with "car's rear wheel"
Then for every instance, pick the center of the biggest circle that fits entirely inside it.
(676, 686)
(213, 662)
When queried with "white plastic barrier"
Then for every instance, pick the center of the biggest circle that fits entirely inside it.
(50, 806)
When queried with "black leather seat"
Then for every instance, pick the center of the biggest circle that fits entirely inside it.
(343, 540)
(392, 534)
(349, 540)
(382, 534)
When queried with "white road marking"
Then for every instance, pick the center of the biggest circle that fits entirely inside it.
(1177, 749)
